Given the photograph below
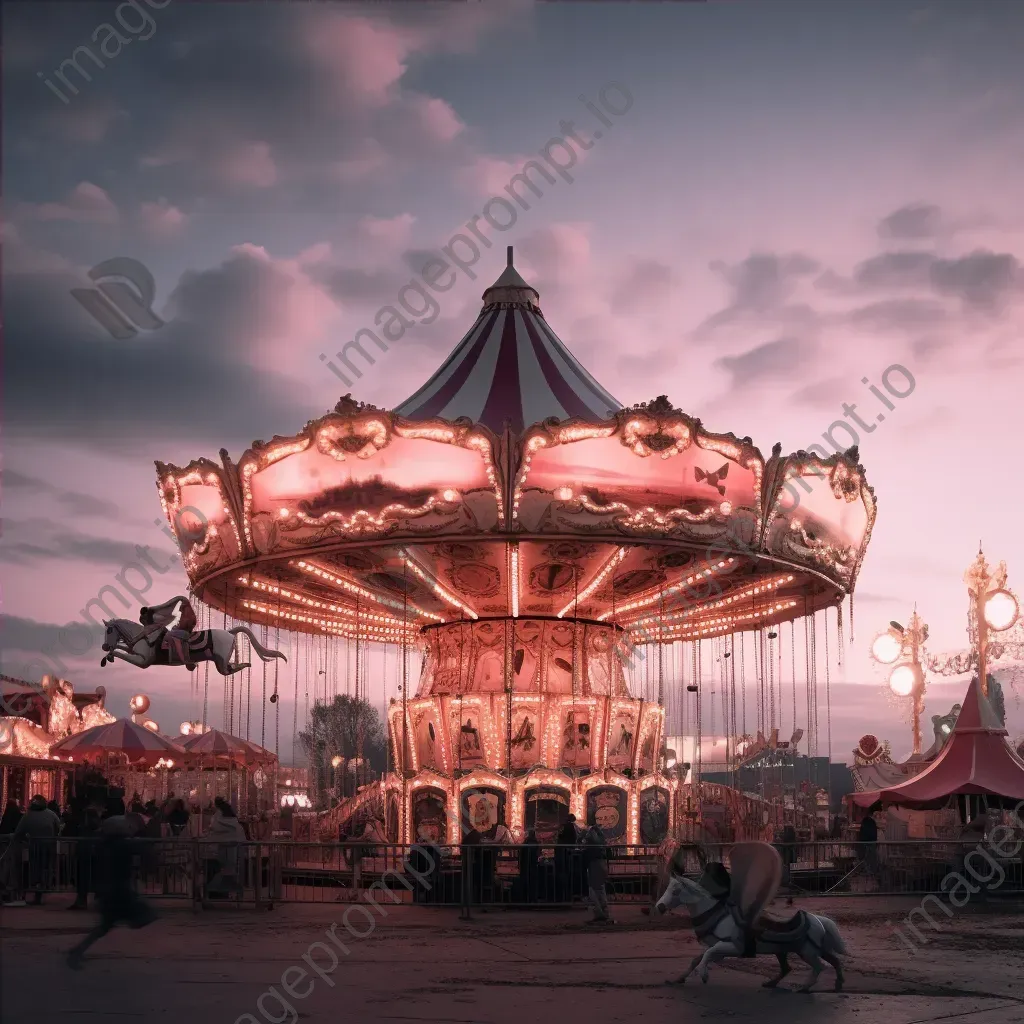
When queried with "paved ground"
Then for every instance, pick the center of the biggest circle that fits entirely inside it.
(212, 967)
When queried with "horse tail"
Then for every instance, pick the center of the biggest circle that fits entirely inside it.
(833, 940)
(264, 653)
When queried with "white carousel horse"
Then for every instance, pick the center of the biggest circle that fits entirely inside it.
(124, 640)
(719, 926)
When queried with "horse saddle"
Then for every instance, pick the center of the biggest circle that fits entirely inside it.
(178, 647)
(790, 931)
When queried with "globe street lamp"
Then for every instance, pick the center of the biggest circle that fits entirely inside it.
(994, 608)
(901, 647)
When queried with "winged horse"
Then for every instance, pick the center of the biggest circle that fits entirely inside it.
(726, 909)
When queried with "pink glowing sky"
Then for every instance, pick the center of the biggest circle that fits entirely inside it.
(800, 196)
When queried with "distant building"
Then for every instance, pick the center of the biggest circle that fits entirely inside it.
(774, 773)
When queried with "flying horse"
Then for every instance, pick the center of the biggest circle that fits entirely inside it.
(726, 913)
(165, 635)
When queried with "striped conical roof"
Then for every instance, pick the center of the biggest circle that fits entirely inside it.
(510, 368)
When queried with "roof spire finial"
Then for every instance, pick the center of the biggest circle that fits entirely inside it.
(508, 253)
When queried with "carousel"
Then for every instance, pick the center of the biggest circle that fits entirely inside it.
(556, 574)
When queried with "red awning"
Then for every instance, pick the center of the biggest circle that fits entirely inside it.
(977, 761)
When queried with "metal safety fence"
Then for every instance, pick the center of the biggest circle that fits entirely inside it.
(262, 874)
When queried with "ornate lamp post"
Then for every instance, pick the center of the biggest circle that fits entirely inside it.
(902, 647)
(994, 609)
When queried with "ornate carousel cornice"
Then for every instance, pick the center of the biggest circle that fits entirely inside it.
(635, 494)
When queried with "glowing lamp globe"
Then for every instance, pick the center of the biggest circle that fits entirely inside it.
(185, 728)
(904, 679)
(139, 704)
(886, 648)
(150, 725)
(1001, 610)
(336, 760)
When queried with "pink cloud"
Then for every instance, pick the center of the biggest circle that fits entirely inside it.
(161, 219)
(248, 163)
(366, 58)
(437, 118)
(391, 231)
(489, 175)
(558, 253)
(86, 203)
(369, 158)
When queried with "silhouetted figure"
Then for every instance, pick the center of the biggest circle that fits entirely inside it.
(867, 844)
(85, 857)
(595, 864)
(177, 818)
(10, 818)
(119, 902)
(425, 864)
(529, 867)
(566, 842)
(471, 884)
(39, 828)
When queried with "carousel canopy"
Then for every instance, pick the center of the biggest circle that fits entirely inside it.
(215, 744)
(976, 761)
(512, 486)
(124, 737)
(510, 369)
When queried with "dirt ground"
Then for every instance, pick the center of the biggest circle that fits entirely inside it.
(417, 964)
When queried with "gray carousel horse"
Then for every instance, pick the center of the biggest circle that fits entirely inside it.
(132, 642)
(726, 909)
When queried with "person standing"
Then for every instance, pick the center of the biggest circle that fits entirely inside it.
(595, 864)
(39, 828)
(227, 831)
(85, 857)
(867, 840)
(788, 850)
(566, 841)
(529, 867)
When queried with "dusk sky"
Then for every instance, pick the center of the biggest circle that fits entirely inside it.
(800, 196)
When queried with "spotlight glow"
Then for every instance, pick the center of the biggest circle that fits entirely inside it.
(1001, 610)
(886, 648)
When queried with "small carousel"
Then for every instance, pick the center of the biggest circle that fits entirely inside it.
(33, 717)
(135, 758)
(552, 569)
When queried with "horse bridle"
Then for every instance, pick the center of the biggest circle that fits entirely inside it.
(123, 638)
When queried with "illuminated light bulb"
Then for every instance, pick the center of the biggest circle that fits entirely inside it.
(1001, 610)
(336, 761)
(904, 679)
(150, 725)
(449, 495)
(886, 648)
(284, 513)
(564, 494)
(185, 728)
(139, 704)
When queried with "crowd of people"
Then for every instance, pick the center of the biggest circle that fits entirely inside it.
(580, 863)
(29, 852)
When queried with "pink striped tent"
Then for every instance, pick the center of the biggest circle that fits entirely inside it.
(511, 368)
(140, 746)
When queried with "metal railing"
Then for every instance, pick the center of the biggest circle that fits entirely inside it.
(205, 872)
